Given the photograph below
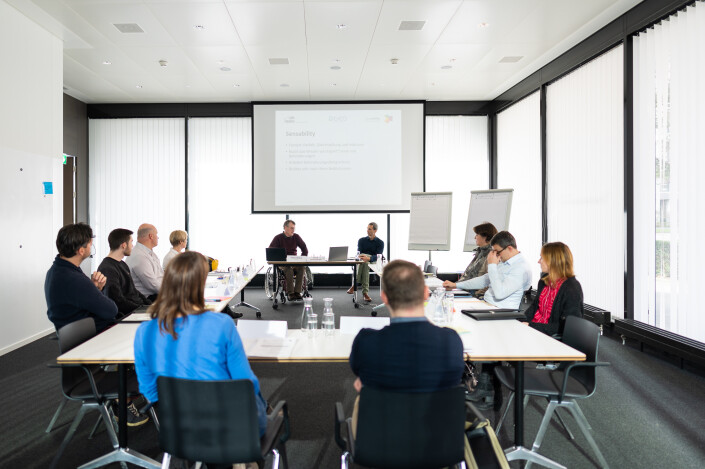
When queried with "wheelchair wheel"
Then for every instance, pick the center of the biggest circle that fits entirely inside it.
(269, 287)
(282, 297)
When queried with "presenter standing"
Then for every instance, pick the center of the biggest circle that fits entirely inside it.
(290, 241)
(369, 248)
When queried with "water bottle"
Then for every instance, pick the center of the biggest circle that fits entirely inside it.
(439, 317)
(308, 310)
(328, 322)
(231, 282)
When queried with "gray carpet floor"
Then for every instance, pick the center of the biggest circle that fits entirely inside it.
(645, 414)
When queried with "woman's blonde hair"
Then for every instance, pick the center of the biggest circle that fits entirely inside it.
(177, 236)
(182, 292)
(559, 260)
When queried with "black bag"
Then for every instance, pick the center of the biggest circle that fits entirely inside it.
(482, 449)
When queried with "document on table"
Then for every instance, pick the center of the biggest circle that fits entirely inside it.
(473, 304)
(269, 348)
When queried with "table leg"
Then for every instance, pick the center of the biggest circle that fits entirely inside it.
(355, 303)
(518, 451)
(122, 453)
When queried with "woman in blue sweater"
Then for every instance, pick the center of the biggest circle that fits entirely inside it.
(183, 340)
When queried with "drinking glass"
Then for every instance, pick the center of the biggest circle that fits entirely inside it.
(312, 324)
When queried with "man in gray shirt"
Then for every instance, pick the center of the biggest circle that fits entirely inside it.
(145, 266)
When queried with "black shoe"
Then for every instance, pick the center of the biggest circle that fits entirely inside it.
(483, 389)
(487, 403)
(134, 418)
(297, 296)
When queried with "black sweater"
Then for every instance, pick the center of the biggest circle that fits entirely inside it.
(568, 302)
(119, 286)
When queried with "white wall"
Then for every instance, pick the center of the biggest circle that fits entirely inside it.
(31, 122)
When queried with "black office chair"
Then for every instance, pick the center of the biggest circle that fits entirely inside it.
(562, 386)
(216, 422)
(404, 430)
(88, 384)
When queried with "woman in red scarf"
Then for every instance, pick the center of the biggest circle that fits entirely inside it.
(559, 294)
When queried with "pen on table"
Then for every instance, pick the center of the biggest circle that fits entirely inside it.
(213, 300)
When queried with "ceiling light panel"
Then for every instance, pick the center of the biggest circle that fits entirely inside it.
(322, 18)
(267, 24)
(502, 17)
(436, 16)
(104, 15)
(179, 20)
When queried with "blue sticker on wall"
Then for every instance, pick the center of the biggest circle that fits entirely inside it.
(48, 187)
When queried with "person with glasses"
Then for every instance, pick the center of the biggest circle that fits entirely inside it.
(70, 294)
(558, 294)
(508, 274)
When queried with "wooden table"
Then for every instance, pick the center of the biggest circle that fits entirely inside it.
(507, 340)
(313, 263)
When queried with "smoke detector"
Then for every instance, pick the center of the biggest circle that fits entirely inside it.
(394, 61)
(163, 63)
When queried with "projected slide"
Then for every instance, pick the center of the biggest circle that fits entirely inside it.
(317, 150)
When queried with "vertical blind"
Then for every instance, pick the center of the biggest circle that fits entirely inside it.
(136, 175)
(220, 193)
(669, 197)
(519, 168)
(585, 175)
(456, 161)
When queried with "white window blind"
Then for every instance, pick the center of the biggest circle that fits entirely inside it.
(220, 193)
(585, 176)
(457, 162)
(519, 168)
(136, 175)
(669, 197)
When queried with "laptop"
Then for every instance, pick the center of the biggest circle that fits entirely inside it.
(276, 254)
(338, 253)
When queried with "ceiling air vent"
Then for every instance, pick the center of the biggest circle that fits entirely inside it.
(411, 25)
(511, 59)
(126, 28)
(283, 61)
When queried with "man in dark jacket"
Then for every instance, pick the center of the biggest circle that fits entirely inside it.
(119, 285)
(70, 294)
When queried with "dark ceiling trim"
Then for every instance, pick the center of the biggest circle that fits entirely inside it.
(458, 108)
(638, 18)
(136, 110)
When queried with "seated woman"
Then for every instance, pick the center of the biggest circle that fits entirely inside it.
(559, 294)
(178, 241)
(484, 232)
(183, 340)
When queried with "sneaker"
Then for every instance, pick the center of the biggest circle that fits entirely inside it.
(134, 417)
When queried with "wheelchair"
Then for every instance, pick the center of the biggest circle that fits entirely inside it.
(275, 288)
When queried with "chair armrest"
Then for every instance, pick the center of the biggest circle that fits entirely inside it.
(342, 442)
(570, 368)
(282, 407)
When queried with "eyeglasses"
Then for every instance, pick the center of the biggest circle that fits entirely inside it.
(500, 251)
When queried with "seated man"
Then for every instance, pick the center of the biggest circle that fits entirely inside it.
(119, 285)
(369, 248)
(290, 241)
(70, 294)
(411, 354)
(147, 271)
(508, 274)
(178, 239)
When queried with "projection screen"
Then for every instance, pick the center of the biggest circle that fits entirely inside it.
(337, 157)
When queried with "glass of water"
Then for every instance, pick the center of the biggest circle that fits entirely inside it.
(449, 306)
(312, 324)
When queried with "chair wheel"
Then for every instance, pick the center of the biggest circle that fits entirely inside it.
(357, 305)
(259, 314)
(374, 313)
(275, 306)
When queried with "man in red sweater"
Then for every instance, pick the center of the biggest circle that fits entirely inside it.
(290, 241)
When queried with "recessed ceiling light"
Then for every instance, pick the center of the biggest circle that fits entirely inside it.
(138, 86)
(107, 62)
(394, 61)
(225, 69)
(337, 61)
(220, 62)
(483, 24)
(411, 25)
(128, 28)
(451, 60)
(333, 84)
(278, 61)
(341, 27)
(335, 67)
(199, 27)
(284, 85)
(446, 67)
(236, 85)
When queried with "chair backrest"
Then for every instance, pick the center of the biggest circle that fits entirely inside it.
(583, 335)
(431, 269)
(209, 421)
(70, 336)
(410, 430)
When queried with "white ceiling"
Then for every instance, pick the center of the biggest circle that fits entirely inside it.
(228, 59)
